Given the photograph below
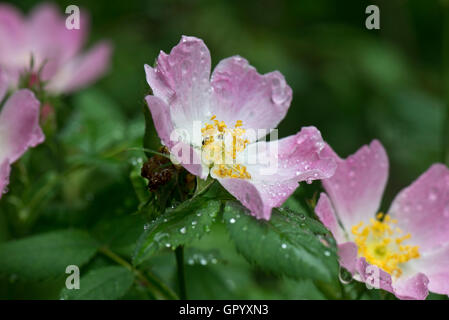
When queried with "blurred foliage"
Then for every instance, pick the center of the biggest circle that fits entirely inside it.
(354, 84)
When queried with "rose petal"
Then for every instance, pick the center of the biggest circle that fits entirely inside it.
(347, 253)
(326, 214)
(357, 186)
(373, 275)
(4, 176)
(81, 70)
(181, 79)
(241, 93)
(19, 125)
(422, 209)
(248, 195)
(412, 288)
(298, 157)
(49, 35)
(12, 33)
(435, 265)
(290, 160)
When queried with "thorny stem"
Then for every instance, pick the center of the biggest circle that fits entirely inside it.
(147, 279)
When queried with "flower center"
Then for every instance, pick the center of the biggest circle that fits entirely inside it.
(220, 147)
(381, 244)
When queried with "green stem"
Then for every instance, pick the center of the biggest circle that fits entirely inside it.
(149, 281)
(181, 277)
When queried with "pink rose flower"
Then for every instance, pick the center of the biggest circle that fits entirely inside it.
(44, 37)
(19, 128)
(217, 116)
(405, 252)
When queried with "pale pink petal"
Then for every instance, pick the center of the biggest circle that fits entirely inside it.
(49, 39)
(82, 70)
(326, 214)
(241, 93)
(435, 265)
(248, 195)
(406, 288)
(19, 125)
(298, 157)
(357, 186)
(412, 288)
(160, 113)
(4, 176)
(181, 79)
(347, 253)
(12, 32)
(373, 275)
(184, 153)
(290, 160)
(422, 209)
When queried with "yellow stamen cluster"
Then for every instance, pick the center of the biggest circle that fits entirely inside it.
(382, 244)
(221, 146)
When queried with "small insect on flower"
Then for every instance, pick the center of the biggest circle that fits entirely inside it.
(211, 125)
(409, 246)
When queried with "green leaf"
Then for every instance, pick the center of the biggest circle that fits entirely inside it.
(178, 226)
(120, 234)
(290, 244)
(138, 182)
(46, 255)
(96, 124)
(107, 283)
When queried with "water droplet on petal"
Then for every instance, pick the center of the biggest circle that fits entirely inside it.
(432, 195)
(344, 276)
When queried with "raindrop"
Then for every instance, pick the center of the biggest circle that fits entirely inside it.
(344, 276)
(214, 261)
(168, 245)
(232, 220)
(302, 217)
(183, 230)
(283, 246)
(432, 196)
(190, 262)
(194, 223)
(203, 261)
(327, 253)
(146, 226)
